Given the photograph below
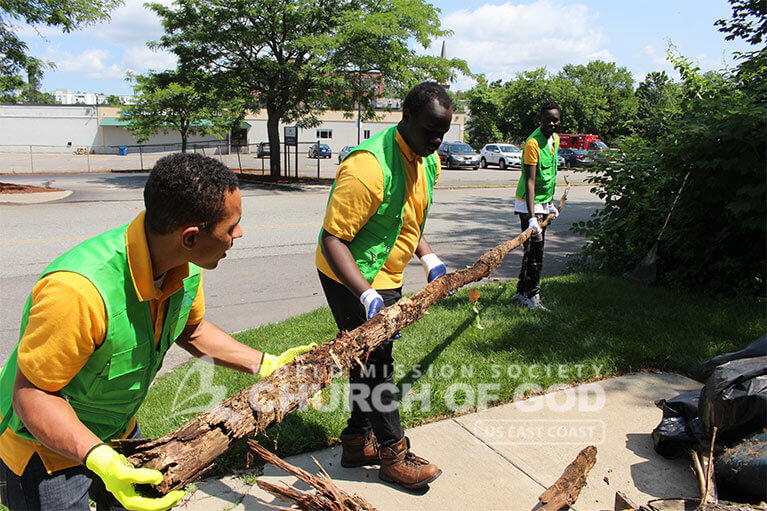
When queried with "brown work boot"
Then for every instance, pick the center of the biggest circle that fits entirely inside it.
(359, 450)
(399, 465)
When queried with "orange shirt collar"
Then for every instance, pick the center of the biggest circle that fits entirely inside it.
(140, 264)
(407, 153)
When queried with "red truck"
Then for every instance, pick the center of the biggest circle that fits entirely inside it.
(581, 141)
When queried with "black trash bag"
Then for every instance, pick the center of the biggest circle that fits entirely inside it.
(734, 399)
(743, 468)
(758, 348)
(674, 437)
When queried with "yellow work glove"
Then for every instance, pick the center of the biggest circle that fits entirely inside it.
(270, 363)
(119, 476)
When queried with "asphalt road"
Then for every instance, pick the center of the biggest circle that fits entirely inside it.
(269, 274)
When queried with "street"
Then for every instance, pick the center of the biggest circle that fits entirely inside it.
(269, 274)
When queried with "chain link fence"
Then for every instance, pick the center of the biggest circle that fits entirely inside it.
(249, 158)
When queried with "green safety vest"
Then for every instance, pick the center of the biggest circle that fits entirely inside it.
(373, 243)
(108, 391)
(546, 171)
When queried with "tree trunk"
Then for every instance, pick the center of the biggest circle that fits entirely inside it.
(184, 138)
(187, 453)
(273, 130)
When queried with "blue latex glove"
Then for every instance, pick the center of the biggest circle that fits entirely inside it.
(434, 268)
(372, 302)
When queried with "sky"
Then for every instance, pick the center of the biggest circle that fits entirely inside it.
(498, 39)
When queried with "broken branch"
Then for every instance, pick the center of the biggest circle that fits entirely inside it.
(565, 491)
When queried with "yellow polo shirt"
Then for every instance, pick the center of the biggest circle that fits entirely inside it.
(67, 322)
(357, 196)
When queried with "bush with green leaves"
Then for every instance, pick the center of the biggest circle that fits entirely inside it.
(715, 241)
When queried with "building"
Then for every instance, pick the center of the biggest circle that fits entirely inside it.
(99, 129)
(67, 97)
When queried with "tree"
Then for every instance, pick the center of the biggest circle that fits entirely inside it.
(15, 89)
(657, 101)
(521, 99)
(748, 22)
(177, 101)
(604, 98)
(299, 57)
(66, 14)
(113, 100)
(595, 98)
(485, 107)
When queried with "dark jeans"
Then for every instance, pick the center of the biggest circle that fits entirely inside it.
(349, 313)
(529, 283)
(67, 489)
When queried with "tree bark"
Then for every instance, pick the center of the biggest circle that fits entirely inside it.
(565, 491)
(273, 132)
(186, 454)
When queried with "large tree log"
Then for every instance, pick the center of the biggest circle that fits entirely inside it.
(186, 454)
(564, 492)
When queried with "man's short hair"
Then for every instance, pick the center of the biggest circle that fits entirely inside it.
(550, 104)
(187, 189)
(422, 94)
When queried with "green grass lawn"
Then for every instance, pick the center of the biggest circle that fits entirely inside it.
(598, 327)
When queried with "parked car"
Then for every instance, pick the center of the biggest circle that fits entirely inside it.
(321, 151)
(457, 154)
(262, 149)
(560, 161)
(503, 155)
(343, 152)
(576, 157)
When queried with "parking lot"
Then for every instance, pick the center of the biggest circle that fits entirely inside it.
(53, 163)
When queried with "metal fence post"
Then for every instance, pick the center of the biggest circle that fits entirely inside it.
(318, 158)
(31, 159)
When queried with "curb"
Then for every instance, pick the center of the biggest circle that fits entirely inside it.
(33, 198)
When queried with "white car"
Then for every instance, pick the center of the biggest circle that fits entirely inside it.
(503, 155)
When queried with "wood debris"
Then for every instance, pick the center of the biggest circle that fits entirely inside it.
(564, 492)
(328, 496)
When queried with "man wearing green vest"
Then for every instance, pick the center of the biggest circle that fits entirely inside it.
(534, 200)
(94, 332)
(373, 225)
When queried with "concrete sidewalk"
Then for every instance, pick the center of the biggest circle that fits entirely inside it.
(504, 457)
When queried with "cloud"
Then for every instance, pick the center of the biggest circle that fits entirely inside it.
(110, 49)
(93, 63)
(501, 40)
(141, 59)
(131, 25)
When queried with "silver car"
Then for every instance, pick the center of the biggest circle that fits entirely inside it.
(343, 152)
(503, 155)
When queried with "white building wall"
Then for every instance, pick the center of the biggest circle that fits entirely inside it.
(60, 128)
(114, 136)
(344, 133)
(48, 128)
